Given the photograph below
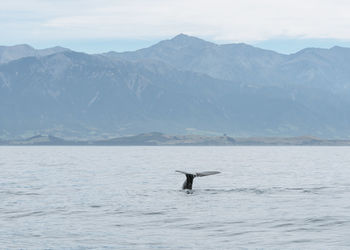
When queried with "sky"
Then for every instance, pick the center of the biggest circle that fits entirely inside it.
(96, 26)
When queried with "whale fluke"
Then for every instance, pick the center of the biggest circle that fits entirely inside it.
(206, 173)
(189, 177)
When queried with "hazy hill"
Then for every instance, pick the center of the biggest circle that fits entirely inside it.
(76, 93)
(250, 65)
(233, 62)
(10, 53)
(181, 85)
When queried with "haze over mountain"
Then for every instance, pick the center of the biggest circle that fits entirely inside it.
(10, 53)
(182, 85)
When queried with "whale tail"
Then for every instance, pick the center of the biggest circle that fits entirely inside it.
(190, 176)
(206, 173)
(199, 174)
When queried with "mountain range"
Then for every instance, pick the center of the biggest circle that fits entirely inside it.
(183, 85)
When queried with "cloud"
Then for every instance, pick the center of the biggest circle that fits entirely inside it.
(220, 20)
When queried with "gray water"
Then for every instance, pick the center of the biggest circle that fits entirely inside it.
(131, 198)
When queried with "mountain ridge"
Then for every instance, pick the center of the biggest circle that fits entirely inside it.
(10, 53)
(178, 86)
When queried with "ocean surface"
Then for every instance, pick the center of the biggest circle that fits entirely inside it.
(131, 198)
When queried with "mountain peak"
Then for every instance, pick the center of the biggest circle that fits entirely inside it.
(183, 36)
(183, 40)
(186, 40)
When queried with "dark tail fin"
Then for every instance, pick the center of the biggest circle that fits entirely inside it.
(189, 177)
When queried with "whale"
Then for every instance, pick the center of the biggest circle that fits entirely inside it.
(190, 176)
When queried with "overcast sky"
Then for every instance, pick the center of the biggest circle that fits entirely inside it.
(103, 25)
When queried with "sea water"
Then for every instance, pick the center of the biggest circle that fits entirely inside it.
(131, 198)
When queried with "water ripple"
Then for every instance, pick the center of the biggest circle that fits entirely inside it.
(130, 198)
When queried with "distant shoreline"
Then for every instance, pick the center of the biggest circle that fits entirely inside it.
(159, 139)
